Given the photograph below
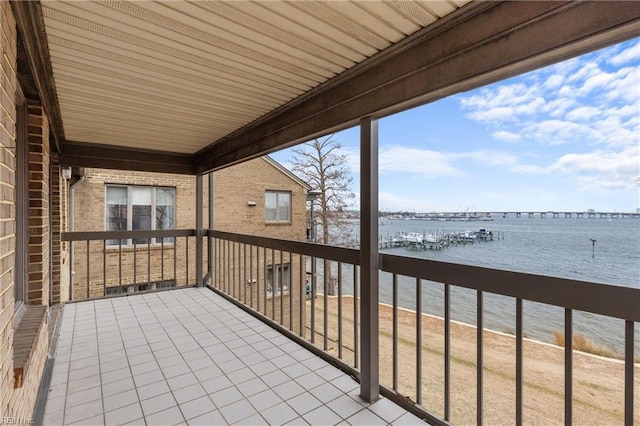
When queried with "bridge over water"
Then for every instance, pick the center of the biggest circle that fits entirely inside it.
(563, 214)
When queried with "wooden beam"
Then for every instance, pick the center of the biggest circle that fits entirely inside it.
(30, 23)
(481, 43)
(81, 154)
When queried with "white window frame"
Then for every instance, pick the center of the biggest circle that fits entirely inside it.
(129, 242)
(278, 193)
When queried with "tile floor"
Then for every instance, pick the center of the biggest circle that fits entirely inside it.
(188, 356)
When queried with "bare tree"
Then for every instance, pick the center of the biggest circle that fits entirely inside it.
(321, 164)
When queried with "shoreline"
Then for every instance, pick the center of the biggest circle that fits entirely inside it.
(598, 382)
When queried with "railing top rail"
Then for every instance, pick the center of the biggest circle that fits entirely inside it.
(338, 254)
(604, 299)
(123, 235)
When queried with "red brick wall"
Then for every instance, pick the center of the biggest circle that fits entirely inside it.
(7, 203)
(59, 224)
(39, 226)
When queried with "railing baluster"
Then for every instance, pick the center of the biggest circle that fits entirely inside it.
(340, 310)
(568, 366)
(218, 263)
(162, 260)
(479, 361)
(519, 354)
(119, 262)
(356, 340)
(302, 302)
(313, 299)
(175, 261)
(418, 340)
(72, 281)
(229, 268)
(264, 281)
(149, 262)
(628, 372)
(290, 287)
(325, 303)
(232, 280)
(395, 332)
(135, 279)
(243, 282)
(186, 240)
(251, 276)
(447, 352)
(88, 274)
(273, 284)
(104, 266)
(281, 282)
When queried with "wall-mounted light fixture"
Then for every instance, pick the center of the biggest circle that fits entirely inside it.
(66, 172)
(251, 203)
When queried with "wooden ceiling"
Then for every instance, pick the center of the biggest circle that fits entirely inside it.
(205, 84)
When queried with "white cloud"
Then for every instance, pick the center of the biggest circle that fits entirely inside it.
(423, 162)
(630, 54)
(583, 113)
(504, 103)
(505, 136)
(554, 81)
(601, 169)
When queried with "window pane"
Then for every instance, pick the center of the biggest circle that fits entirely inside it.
(141, 221)
(271, 206)
(116, 195)
(141, 196)
(165, 202)
(116, 211)
(141, 199)
(283, 206)
(165, 196)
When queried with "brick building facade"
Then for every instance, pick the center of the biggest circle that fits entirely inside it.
(26, 181)
(240, 197)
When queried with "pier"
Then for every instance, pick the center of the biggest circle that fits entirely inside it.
(437, 240)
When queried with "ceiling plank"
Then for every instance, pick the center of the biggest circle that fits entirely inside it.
(82, 154)
(479, 44)
(30, 24)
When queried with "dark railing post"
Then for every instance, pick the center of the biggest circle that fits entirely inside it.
(369, 260)
(199, 252)
(210, 240)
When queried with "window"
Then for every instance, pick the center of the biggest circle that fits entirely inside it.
(134, 288)
(277, 207)
(139, 208)
(280, 282)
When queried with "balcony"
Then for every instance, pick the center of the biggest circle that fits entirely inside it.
(190, 355)
(304, 325)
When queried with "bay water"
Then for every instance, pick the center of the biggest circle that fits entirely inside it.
(559, 247)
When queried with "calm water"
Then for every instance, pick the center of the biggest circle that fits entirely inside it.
(548, 246)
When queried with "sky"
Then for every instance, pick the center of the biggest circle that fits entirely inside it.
(562, 138)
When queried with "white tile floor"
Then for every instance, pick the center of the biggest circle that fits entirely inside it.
(190, 357)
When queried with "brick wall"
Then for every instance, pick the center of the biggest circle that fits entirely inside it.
(124, 266)
(235, 187)
(59, 224)
(39, 253)
(7, 202)
(18, 403)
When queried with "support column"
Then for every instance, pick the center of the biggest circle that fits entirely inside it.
(369, 260)
(199, 251)
(212, 253)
